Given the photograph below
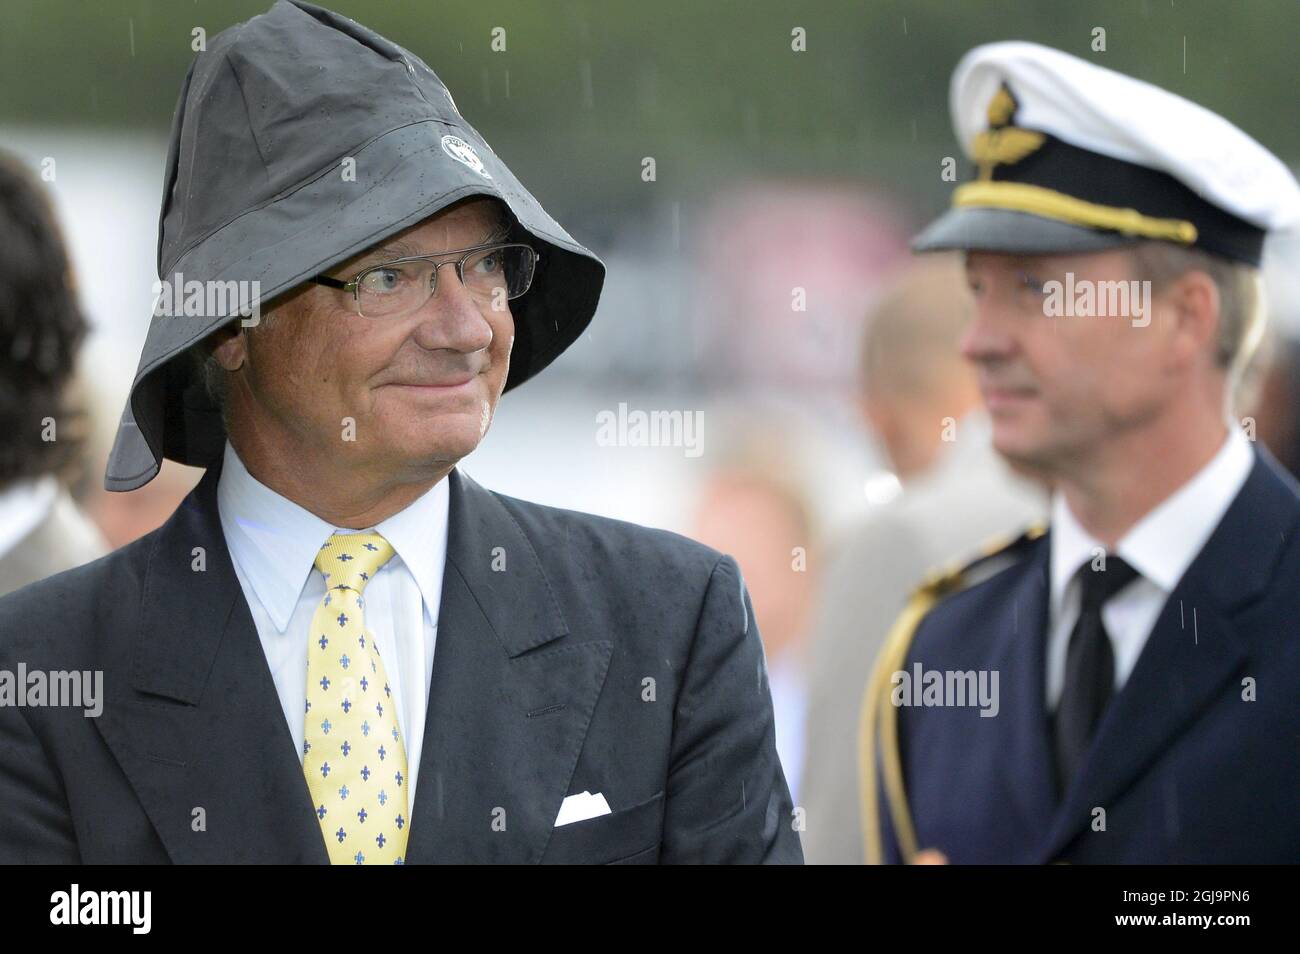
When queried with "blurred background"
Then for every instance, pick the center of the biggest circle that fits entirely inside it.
(741, 274)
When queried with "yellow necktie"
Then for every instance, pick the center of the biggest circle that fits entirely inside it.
(353, 755)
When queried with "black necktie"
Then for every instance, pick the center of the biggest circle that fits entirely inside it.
(1089, 667)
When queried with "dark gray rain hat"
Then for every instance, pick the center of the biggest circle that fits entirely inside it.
(253, 191)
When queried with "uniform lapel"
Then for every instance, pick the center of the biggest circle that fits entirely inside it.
(1027, 759)
(1195, 647)
(507, 713)
(197, 726)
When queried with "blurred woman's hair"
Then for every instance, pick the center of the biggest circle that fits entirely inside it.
(41, 330)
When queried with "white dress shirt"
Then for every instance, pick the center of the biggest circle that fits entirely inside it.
(1160, 546)
(273, 544)
(23, 505)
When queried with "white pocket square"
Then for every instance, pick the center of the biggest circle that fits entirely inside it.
(580, 807)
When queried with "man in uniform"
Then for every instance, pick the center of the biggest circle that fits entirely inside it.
(1121, 687)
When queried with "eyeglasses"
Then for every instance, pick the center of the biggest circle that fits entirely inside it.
(493, 274)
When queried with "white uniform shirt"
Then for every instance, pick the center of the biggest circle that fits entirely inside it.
(1160, 546)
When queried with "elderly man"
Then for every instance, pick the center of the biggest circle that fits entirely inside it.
(1121, 688)
(272, 692)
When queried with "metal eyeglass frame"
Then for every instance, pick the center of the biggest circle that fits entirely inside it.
(353, 285)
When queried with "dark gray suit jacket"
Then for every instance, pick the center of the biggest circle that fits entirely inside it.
(604, 657)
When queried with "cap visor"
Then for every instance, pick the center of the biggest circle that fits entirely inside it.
(1001, 230)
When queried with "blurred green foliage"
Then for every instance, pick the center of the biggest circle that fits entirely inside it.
(710, 88)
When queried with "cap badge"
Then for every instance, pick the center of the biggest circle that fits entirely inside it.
(462, 151)
(1004, 142)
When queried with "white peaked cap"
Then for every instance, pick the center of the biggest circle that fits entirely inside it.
(1125, 118)
(1077, 157)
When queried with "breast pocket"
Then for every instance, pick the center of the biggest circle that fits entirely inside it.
(627, 836)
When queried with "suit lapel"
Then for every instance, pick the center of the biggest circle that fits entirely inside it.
(198, 729)
(197, 726)
(507, 712)
(1194, 648)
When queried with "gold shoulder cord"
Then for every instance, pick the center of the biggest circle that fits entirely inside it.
(878, 728)
(878, 724)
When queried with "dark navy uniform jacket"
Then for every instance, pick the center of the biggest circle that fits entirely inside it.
(606, 658)
(1184, 767)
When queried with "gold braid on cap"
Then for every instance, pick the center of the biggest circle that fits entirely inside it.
(1005, 143)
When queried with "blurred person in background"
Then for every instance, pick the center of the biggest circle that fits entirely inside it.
(1278, 410)
(921, 402)
(1270, 392)
(754, 505)
(122, 518)
(42, 531)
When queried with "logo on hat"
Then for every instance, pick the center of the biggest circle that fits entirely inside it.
(462, 151)
(1004, 142)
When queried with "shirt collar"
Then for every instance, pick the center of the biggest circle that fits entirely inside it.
(1163, 544)
(275, 541)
